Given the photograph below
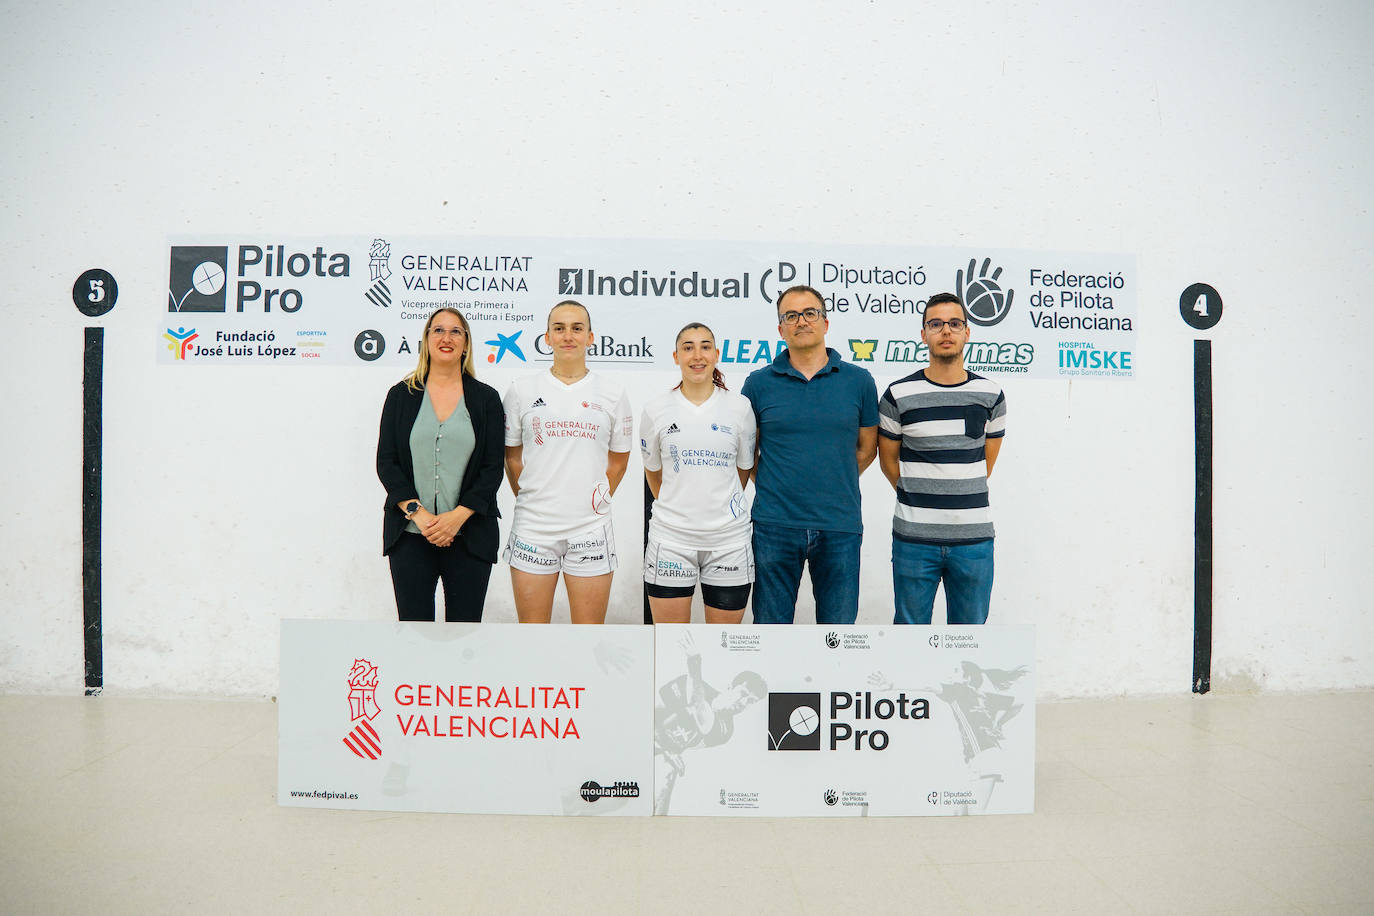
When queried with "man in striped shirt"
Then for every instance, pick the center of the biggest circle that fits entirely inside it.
(939, 432)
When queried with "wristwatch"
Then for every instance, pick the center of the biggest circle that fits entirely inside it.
(411, 508)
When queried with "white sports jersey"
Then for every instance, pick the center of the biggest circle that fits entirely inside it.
(566, 431)
(698, 448)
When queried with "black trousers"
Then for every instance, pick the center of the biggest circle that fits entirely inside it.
(416, 568)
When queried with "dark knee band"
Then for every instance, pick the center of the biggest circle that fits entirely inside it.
(669, 591)
(725, 597)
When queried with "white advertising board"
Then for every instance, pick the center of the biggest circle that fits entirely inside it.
(353, 300)
(844, 721)
(476, 718)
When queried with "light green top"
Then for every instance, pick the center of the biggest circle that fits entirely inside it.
(439, 453)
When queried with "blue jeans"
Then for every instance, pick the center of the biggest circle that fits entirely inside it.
(967, 572)
(833, 557)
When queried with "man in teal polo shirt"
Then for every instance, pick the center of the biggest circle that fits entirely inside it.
(818, 430)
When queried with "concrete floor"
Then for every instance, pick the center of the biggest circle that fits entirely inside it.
(1213, 804)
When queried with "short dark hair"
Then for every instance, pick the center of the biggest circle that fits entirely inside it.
(570, 302)
(801, 288)
(945, 299)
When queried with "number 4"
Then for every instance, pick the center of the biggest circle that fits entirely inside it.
(1200, 305)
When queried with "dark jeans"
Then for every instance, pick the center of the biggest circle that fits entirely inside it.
(917, 570)
(417, 566)
(779, 555)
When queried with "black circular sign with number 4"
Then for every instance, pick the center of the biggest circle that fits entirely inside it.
(95, 292)
(1200, 306)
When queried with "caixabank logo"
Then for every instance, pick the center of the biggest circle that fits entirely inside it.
(265, 277)
(606, 348)
(795, 722)
(503, 345)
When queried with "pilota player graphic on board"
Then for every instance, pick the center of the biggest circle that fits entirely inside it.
(693, 714)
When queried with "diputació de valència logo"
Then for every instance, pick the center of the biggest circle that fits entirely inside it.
(363, 740)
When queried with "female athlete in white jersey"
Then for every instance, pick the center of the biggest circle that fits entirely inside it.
(567, 444)
(698, 446)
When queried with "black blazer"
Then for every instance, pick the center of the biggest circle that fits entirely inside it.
(481, 480)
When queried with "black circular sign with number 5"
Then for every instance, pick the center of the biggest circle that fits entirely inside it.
(1200, 306)
(95, 292)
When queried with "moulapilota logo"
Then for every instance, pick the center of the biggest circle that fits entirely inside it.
(363, 740)
(197, 279)
(794, 721)
(592, 791)
(985, 301)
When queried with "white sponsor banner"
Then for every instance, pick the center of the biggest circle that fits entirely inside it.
(350, 300)
(844, 721)
(477, 718)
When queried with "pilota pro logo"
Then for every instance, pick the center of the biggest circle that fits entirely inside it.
(984, 299)
(794, 721)
(197, 279)
(363, 740)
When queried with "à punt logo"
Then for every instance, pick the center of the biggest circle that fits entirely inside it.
(363, 740)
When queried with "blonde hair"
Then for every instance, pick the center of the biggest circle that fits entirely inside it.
(416, 380)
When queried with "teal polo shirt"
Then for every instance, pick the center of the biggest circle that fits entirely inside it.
(808, 475)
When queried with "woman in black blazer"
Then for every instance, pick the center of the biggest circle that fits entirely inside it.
(440, 456)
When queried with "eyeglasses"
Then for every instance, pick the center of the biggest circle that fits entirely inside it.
(812, 314)
(934, 325)
(437, 331)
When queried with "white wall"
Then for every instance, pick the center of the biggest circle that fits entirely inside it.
(1225, 142)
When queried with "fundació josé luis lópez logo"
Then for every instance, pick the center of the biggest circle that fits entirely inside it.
(985, 301)
(179, 341)
(363, 740)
